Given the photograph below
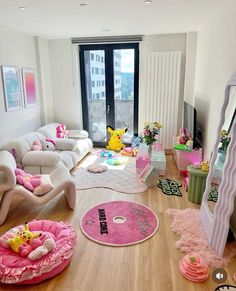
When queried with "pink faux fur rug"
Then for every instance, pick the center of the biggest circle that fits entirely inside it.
(187, 224)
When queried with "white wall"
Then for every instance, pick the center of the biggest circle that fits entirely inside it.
(155, 43)
(65, 83)
(45, 82)
(191, 52)
(16, 49)
(216, 60)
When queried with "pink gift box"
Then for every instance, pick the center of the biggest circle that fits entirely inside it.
(142, 162)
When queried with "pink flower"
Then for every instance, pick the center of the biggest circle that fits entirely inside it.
(146, 132)
(156, 137)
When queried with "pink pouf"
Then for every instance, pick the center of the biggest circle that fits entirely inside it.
(18, 270)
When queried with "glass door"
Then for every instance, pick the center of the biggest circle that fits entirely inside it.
(109, 84)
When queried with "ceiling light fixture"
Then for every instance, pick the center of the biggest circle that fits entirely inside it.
(147, 1)
(83, 5)
(23, 8)
(105, 29)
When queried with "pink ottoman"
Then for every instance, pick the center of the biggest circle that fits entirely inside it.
(17, 270)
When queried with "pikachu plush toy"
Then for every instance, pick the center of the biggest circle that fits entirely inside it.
(116, 135)
(22, 237)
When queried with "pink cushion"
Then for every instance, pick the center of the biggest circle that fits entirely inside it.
(17, 270)
(61, 131)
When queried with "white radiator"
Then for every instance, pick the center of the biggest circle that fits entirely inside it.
(162, 92)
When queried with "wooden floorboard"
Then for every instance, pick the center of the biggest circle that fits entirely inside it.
(148, 266)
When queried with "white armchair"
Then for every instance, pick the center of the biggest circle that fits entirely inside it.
(60, 179)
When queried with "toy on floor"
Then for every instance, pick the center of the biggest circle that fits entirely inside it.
(205, 166)
(97, 168)
(129, 151)
(135, 141)
(22, 237)
(116, 135)
(115, 161)
(105, 154)
(169, 187)
(193, 268)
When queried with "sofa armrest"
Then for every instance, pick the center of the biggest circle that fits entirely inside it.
(64, 144)
(46, 158)
(76, 133)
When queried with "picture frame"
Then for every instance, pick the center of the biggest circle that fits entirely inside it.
(12, 88)
(29, 86)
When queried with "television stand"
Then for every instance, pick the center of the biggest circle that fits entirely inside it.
(184, 158)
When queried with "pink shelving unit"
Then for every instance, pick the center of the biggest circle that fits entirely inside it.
(186, 158)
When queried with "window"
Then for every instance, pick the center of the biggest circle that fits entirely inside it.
(97, 95)
(92, 56)
(93, 84)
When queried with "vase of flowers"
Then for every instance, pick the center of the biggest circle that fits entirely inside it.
(151, 133)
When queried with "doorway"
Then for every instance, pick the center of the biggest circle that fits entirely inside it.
(109, 87)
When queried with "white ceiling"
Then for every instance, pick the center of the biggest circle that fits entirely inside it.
(66, 18)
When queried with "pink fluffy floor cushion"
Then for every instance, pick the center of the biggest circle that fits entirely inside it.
(43, 262)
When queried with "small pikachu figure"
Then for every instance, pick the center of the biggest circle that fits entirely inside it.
(205, 166)
(22, 237)
(114, 142)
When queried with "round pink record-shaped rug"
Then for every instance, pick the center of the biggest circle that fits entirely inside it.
(119, 223)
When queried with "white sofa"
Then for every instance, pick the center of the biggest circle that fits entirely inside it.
(68, 151)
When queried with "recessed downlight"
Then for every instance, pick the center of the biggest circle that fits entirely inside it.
(147, 1)
(83, 5)
(23, 8)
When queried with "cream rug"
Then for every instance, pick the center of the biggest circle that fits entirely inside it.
(121, 178)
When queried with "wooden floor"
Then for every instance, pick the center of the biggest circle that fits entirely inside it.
(148, 266)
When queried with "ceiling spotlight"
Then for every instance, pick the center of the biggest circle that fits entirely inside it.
(83, 5)
(147, 1)
(23, 8)
(105, 29)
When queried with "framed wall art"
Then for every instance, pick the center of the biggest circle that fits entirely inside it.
(29, 85)
(12, 88)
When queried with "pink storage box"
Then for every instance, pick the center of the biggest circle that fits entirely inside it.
(141, 163)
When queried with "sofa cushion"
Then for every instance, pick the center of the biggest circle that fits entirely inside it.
(49, 130)
(22, 144)
(64, 144)
(46, 158)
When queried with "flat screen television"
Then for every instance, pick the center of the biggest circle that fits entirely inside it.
(190, 122)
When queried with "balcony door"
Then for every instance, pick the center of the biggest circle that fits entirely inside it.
(109, 85)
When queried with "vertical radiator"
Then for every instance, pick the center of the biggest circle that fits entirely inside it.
(162, 92)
